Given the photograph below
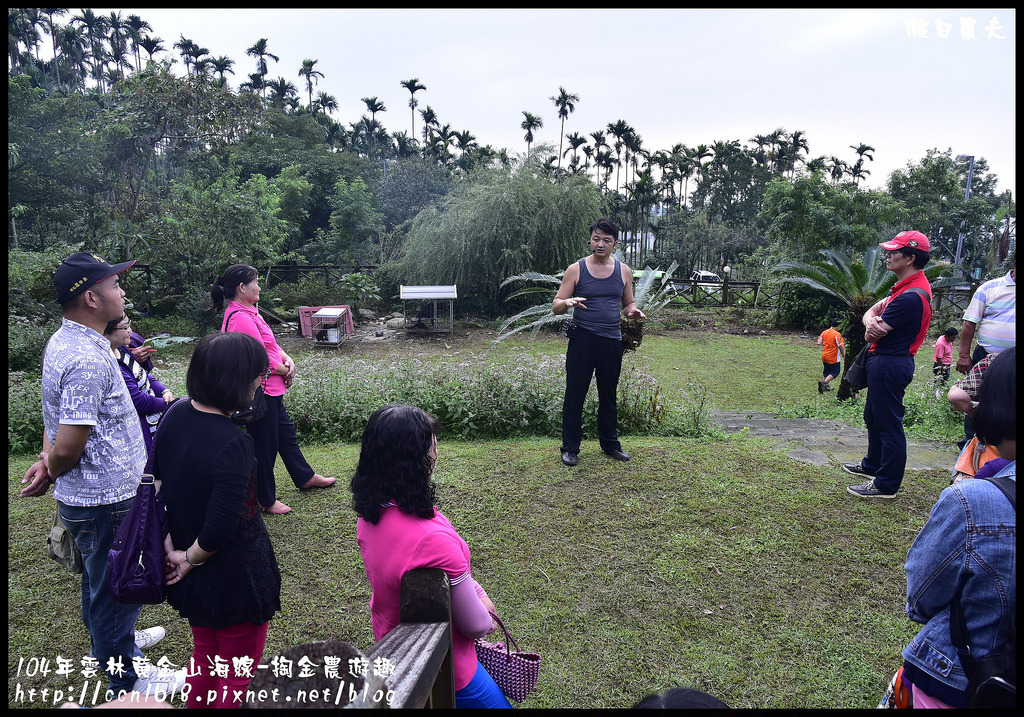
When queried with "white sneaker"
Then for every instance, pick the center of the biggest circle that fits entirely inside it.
(160, 684)
(149, 637)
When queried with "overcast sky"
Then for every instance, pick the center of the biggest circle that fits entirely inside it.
(902, 81)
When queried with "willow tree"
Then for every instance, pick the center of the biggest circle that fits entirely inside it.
(499, 224)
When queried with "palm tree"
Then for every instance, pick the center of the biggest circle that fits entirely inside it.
(188, 51)
(797, 144)
(858, 284)
(95, 28)
(118, 40)
(818, 164)
(312, 75)
(413, 86)
(429, 118)
(530, 124)
(618, 129)
(599, 143)
(864, 150)
(697, 157)
(373, 106)
(778, 143)
(259, 51)
(566, 104)
(857, 171)
(575, 142)
(222, 65)
(152, 45)
(72, 44)
(281, 92)
(838, 168)
(326, 103)
(135, 27)
(54, 31)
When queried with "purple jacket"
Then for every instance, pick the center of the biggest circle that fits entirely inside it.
(146, 392)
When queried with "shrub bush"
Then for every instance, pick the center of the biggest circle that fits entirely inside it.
(473, 399)
(24, 412)
(26, 341)
(801, 307)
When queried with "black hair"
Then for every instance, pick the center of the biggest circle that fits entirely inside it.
(606, 225)
(950, 333)
(223, 370)
(995, 418)
(681, 698)
(225, 285)
(111, 325)
(835, 322)
(920, 258)
(394, 463)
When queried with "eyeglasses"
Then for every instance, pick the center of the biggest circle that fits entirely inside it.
(127, 326)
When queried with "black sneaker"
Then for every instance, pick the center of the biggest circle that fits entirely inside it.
(857, 469)
(570, 459)
(868, 490)
(821, 387)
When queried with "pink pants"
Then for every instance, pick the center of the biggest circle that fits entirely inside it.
(923, 701)
(213, 688)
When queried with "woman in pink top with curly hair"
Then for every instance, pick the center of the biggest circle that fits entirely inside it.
(399, 529)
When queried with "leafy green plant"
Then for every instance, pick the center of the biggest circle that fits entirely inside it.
(360, 289)
(24, 412)
(652, 294)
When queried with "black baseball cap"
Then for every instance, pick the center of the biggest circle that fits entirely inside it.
(80, 271)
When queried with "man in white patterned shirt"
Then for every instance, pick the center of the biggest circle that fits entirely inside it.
(94, 453)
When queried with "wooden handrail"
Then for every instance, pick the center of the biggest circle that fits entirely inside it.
(420, 648)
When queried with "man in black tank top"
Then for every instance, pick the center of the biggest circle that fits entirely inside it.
(597, 288)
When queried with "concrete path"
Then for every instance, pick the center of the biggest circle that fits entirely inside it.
(824, 442)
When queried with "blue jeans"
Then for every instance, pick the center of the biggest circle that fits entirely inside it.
(111, 624)
(481, 692)
(888, 378)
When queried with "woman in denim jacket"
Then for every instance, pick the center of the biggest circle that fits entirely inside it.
(968, 539)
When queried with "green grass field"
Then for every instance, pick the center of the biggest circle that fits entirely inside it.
(722, 566)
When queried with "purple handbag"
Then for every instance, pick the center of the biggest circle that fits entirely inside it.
(136, 561)
(136, 558)
(514, 672)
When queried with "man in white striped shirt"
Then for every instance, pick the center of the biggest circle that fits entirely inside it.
(992, 318)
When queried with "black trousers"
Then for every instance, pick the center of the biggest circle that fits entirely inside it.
(273, 434)
(589, 355)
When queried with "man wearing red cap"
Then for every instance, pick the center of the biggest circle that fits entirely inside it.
(895, 328)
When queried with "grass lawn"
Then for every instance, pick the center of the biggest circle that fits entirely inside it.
(720, 565)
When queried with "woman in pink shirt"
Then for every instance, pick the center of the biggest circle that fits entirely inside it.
(399, 529)
(275, 432)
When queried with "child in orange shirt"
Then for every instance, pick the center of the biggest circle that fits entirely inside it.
(831, 342)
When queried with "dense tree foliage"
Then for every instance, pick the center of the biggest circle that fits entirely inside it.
(113, 148)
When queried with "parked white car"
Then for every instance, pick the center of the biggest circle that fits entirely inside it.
(702, 277)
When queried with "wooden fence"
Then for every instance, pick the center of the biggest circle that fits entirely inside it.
(724, 293)
(294, 272)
